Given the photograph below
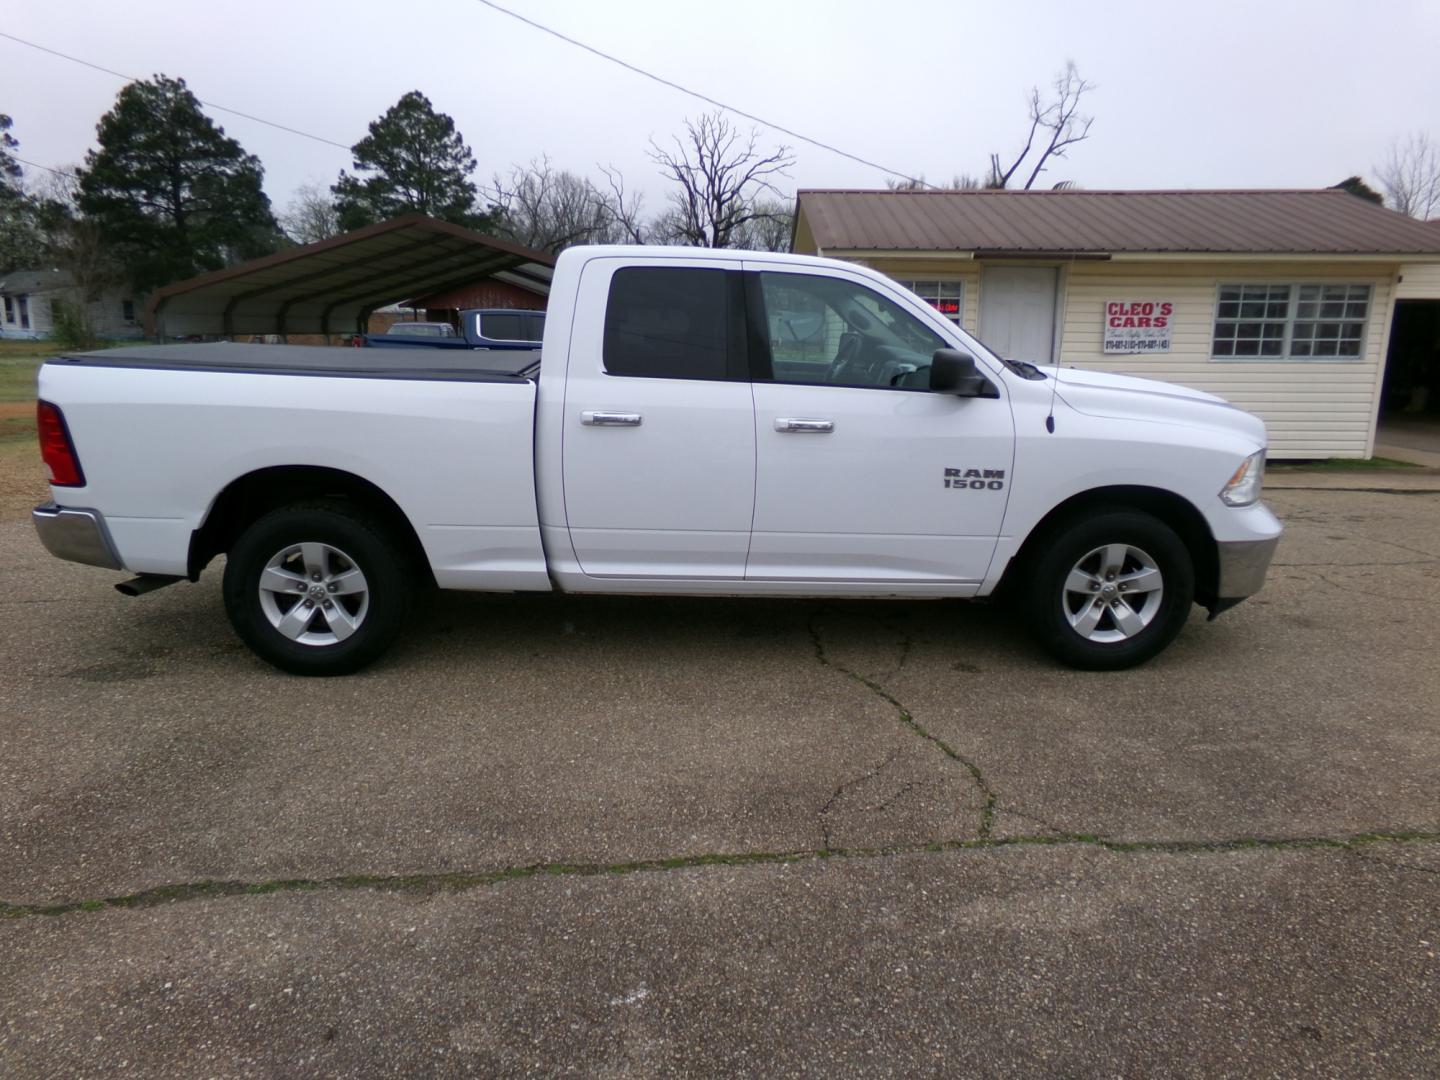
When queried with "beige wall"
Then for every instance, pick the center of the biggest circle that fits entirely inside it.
(1312, 408)
(1418, 281)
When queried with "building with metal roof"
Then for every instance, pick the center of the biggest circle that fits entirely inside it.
(1285, 302)
(331, 287)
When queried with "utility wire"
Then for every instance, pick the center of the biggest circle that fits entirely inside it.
(47, 168)
(703, 97)
(207, 104)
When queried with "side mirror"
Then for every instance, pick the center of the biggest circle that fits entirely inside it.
(955, 372)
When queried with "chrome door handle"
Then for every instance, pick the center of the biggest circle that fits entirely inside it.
(800, 423)
(610, 419)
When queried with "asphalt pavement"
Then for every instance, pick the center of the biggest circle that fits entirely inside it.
(661, 836)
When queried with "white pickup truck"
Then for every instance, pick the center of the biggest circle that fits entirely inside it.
(696, 422)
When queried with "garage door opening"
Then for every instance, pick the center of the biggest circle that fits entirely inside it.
(1410, 394)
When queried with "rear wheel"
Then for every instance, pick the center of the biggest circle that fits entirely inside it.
(1110, 590)
(317, 589)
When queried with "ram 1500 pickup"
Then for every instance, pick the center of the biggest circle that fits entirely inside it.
(697, 422)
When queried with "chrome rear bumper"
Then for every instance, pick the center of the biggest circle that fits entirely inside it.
(77, 535)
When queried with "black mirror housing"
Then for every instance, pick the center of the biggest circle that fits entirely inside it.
(955, 372)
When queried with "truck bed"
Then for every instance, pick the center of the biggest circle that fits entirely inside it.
(418, 363)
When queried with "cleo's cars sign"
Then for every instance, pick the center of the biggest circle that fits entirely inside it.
(1138, 326)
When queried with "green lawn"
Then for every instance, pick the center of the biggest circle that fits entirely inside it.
(22, 479)
(18, 361)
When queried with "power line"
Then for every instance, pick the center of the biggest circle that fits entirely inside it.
(47, 168)
(207, 104)
(696, 94)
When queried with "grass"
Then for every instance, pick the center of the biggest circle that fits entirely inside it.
(22, 478)
(1337, 464)
(18, 363)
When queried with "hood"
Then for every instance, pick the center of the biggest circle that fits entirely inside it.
(1128, 397)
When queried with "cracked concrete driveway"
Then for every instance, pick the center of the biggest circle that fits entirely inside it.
(675, 836)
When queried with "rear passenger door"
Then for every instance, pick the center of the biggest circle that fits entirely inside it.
(658, 448)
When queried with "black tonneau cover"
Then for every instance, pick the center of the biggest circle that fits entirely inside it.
(338, 361)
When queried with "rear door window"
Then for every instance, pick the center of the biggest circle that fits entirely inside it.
(512, 326)
(672, 323)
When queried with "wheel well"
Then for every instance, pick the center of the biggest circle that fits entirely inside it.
(250, 497)
(1174, 510)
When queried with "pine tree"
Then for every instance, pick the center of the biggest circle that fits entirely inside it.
(171, 193)
(413, 161)
(21, 243)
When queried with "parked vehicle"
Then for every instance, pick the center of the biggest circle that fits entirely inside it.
(421, 329)
(480, 328)
(704, 422)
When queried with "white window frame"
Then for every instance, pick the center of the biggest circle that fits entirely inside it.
(959, 283)
(1291, 318)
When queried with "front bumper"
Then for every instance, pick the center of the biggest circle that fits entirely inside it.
(1242, 567)
(76, 534)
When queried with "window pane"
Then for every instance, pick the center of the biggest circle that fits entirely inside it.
(827, 330)
(1250, 320)
(500, 327)
(664, 322)
(944, 296)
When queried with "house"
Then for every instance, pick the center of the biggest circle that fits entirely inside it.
(1283, 302)
(31, 299)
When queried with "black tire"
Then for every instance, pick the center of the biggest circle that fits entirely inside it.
(351, 540)
(1049, 607)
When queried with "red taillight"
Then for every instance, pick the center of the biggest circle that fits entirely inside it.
(56, 449)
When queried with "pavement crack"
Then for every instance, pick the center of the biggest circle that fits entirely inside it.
(1392, 865)
(987, 810)
(453, 882)
(846, 786)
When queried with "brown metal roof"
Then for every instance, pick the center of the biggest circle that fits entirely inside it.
(331, 286)
(1326, 221)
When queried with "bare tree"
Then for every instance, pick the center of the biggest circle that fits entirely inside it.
(958, 182)
(1058, 124)
(550, 209)
(769, 229)
(1411, 176)
(624, 210)
(720, 178)
(311, 215)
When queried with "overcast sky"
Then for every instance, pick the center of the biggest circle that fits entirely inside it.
(1220, 93)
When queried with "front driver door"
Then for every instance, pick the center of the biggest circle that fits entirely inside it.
(863, 474)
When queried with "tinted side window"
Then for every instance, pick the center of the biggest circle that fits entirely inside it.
(512, 327)
(825, 330)
(668, 323)
(500, 327)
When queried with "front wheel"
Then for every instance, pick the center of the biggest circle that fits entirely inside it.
(1110, 590)
(316, 589)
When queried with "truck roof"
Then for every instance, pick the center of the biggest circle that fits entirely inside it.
(419, 363)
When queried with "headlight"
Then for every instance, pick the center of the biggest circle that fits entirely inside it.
(1244, 487)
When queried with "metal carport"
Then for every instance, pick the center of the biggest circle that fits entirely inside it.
(331, 287)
